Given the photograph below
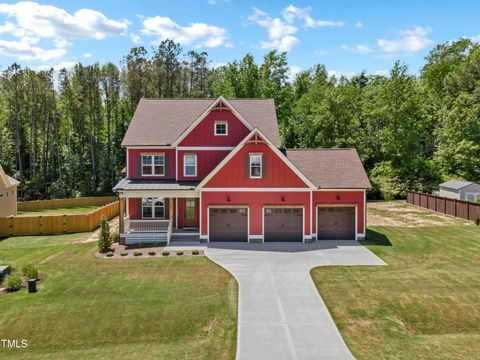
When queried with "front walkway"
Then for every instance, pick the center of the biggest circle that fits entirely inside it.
(281, 315)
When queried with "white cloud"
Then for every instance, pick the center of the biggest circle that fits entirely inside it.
(196, 34)
(136, 39)
(358, 49)
(338, 74)
(293, 71)
(59, 66)
(280, 33)
(291, 13)
(25, 49)
(408, 42)
(49, 21)
(358, 24)
(87, 55)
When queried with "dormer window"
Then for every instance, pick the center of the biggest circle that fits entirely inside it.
(255, 166)
(153, 165)
(221, 128)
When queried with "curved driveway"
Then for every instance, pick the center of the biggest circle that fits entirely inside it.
(281, 315)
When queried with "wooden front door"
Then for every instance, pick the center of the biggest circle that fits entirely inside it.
(190, 215)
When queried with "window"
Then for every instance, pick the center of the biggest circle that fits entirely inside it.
(221, 128)
(190, 165)
(153, 165)
(255, 166)
(153, 208)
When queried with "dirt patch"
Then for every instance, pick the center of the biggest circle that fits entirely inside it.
(401, 214)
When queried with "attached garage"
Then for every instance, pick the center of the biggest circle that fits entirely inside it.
(283, 224)
(228, 224)
(336, 223)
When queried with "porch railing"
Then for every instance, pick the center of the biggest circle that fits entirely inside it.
(149, 225)
(126, 224)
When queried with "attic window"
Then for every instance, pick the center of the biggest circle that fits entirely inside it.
(255, 166)
(221, 128)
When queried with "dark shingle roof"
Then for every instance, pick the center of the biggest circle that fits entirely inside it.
(141, 184)
(331, 168)
(162, 121)
(456, 184)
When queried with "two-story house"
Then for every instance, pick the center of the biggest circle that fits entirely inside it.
(214, 169)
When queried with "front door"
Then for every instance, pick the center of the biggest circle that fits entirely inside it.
(190, 218)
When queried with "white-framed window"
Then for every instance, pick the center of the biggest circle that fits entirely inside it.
(255, 166)
(153, 165)
(153, 208)
(190, 165)
(221, 128)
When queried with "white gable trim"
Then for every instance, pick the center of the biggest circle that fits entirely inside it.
(204, 115)
(237, 149)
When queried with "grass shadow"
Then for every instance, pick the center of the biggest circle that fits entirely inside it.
(376, 238)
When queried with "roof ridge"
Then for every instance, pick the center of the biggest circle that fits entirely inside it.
(212, 99)
(317, 149)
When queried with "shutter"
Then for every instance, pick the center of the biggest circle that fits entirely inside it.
(139, 165)
(247, 166)
(264, 166)
(167, 170)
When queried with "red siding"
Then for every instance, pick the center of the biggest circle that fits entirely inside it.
(255, 201)
(278, 174)
(345, 197)
(134, 162)
(206, 162)
(134, 208)
(204, 133)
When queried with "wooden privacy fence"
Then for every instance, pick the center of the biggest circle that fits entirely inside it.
(64, 203)
(56, 224)
(459, 208)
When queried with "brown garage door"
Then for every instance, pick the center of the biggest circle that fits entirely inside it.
(336, 223)
(283, 224)
(228, 224)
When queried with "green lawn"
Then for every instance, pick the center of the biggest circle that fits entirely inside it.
(89, 308)
(74, 210)
(424, 305)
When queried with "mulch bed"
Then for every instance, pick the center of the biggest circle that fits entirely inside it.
(130, 251)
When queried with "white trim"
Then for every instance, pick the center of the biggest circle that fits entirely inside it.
(231, 207)
(273, 147)
(251, 189)
(204, 115)
(220, 122)
(205, 148)
(153, 209)
(335, 189)
(337, 205)
(311, 212)
(200, 210)
(261, 163)
(284, 207)
(158, 193)
(176, 164)
(185, 165)
(152, 156)
(163, 147)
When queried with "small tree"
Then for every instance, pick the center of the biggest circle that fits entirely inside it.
(105, 240)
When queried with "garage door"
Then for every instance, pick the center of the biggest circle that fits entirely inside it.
(228, 224)
(336, 223)
(283, 224)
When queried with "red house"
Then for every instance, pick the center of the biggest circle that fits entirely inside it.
(214, 170)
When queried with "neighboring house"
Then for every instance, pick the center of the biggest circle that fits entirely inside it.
(214, 169)
(460, 190)
(8, 194)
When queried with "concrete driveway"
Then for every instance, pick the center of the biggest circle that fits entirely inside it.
(281, 315)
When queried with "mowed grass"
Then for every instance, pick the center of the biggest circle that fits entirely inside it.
(90, 308)
(57, 211)
(424, 305)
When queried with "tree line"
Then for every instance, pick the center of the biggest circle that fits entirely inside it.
(60, 132)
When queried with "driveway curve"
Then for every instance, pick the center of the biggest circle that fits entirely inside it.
(281, 315)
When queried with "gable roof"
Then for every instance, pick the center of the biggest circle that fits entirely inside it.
(331, 168)
(456, 184)
(7, 181)
(275, 149)
(163, 121)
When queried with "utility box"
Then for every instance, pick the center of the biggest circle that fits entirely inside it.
(4, 271)
(32, 285)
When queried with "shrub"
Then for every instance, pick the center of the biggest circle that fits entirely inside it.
(152, 253)
(105, 240)
(137, 253)
(179, 253)
(195, 252)
(123, 253)
(115, 236)
(165, 253)
(30, 272)
(477, 221)
(13, 282)
(109, 254)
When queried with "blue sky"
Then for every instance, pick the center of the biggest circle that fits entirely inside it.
(346, 36)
